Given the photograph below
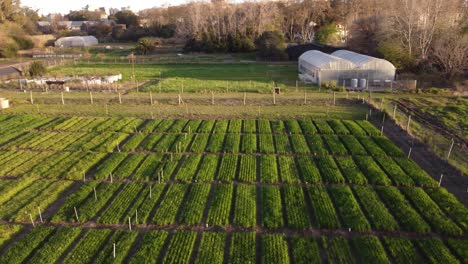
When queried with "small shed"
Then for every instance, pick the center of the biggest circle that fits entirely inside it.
(317, 67)
(4, 103)
(77, 41)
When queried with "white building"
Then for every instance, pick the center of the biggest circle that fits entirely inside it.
(77, 41)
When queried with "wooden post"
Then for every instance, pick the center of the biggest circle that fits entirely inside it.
(440, 181)
(159, 178)
(394, 111)
(120, 98)
(76, 214)
(383, 119)
(274, 96)
(136, 216)
(118, 148)
(111, 179)
(334, 98)
(31, 97)
(409, 152)
(408, 124)
(381, 131)
(32, 221)
(212, 97)
(305, 96)
(381, 104)
(95, 194)
(450, 149)
(63, 101)
(113, 250)
(129, 224)
(296, 85)
(179, 99)
(151, 98)
(84, 176)
(91, 97)
(245, 97)
(40, 214)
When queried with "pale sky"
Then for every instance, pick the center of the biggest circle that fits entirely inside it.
(64, 6)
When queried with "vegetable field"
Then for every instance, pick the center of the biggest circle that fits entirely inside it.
(102, 190)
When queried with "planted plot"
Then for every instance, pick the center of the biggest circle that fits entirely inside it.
(282, 144)
(329, 170)
(264, 127)
(177, 126)
(305, 250)
(123, 241)
(194, 206)
(299, 144)
(323, 127)
(459, 248)
(23, 248)
(206, 126)
(322, 206)
(245, 206)
(268, 169)
(133, 142)
(55, 246)
(150, 142)
(79, 165)
(337, 250)
(338, 127)
(215, 144)
(289, 173)
(232, 143)
(192, 126)
(408, 218)
(180, 247)
(370, 249)
(242, 248)
(7, 232)
(308, 126)
(348, 208)
(372, 171)
(150, 248)
(88, 246)
(266, 144)
(170, 203)
(351, 170)
(128, 166)
(371, 147)
(292, 126)
(189, 168)
(353, 145)
(335, 145)
(376, 211)
(316, 145)
(166, 143)
(402, 250)
(199, 143)
(115, 212)
(277, 126)
(296, 209)
(144, 203)
(248, 168)
(392, 169)
(208, 167)
(147, 168)
(149, 126)
(249, 143)
(419, 176)
(388, 146)
(275, 249)
(432, 213)
(309, 170)
(211, 249)
(220, 207)
(228, 168)
(435, 251)
(104, 169)
(450, 205)
(220, 126)
(250, 126)
(272, 216)
(368, 127)
(235, 126)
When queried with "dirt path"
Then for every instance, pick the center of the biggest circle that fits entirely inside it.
(453, 180)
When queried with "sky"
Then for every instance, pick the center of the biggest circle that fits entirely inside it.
(64, 6)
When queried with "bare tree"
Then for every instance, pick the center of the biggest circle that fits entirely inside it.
(450, 52)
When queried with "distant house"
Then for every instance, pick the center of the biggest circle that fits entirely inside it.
(44, 26)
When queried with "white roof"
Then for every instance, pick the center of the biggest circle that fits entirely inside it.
(322, 60)
(361, 60)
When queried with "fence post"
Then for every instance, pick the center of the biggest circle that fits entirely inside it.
(450, 149)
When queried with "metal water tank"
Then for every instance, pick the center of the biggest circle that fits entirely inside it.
(362, 83)
(354, 83)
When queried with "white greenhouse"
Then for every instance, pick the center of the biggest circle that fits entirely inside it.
(373, 69)
(317, 67)
(77, 41)
(346, 68)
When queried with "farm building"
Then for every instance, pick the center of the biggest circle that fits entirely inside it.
(77, 41)
(317, 67)
(345, 67)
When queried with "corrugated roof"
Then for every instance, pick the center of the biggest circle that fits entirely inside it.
(322, 60)
(360, 60)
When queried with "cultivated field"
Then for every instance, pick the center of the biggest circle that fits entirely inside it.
(212, 191)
